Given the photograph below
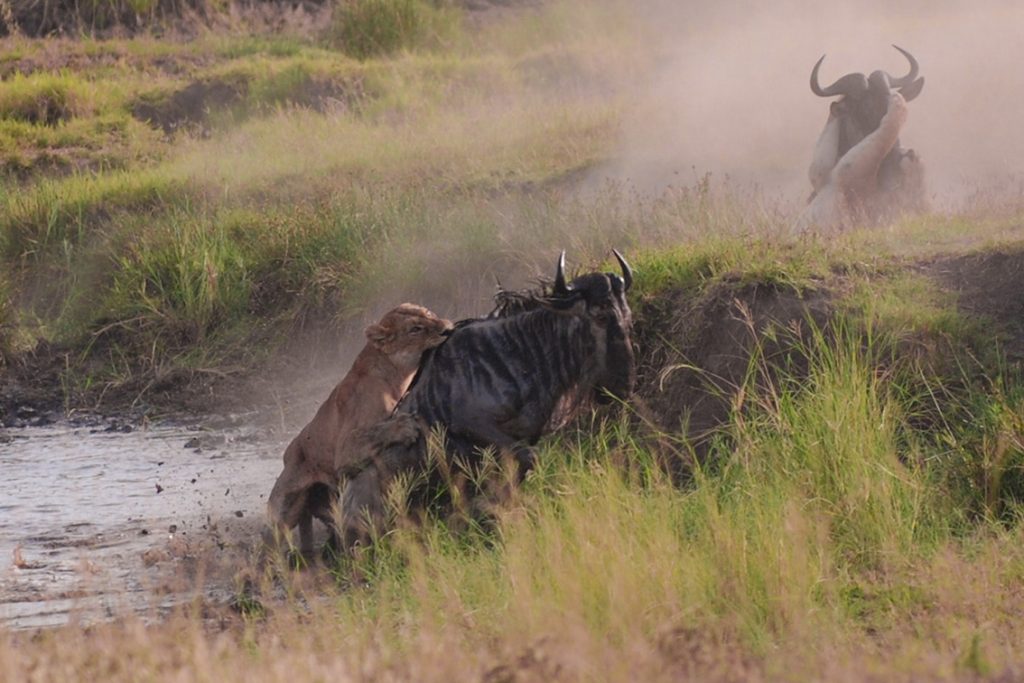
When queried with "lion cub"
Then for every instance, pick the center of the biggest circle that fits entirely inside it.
(379, 376)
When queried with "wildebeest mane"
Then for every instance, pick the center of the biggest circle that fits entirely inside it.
(509, 302)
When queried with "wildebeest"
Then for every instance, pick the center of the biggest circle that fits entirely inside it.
(502, 381)
(369, 392)
(861, 185)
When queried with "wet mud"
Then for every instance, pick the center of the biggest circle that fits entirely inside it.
(103, 519)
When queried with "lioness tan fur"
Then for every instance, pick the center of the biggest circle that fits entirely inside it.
(851, 191)
(379, 376)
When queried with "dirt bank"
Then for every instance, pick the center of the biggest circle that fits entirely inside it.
(694, 351)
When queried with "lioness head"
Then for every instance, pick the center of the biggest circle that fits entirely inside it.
(405, 332)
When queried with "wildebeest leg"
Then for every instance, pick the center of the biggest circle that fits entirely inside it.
(289, 499)
(492, 490)
(484, 429)
(526, 458)
(287, 507)
(322, 499)
(856, 174)
(362, 508)
(306, 533)
(391, 447)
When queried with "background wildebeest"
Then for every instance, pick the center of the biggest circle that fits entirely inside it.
(863, 102)
(852, 176)
(368, 393)
(502, 382)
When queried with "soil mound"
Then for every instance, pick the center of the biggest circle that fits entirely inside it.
(193, 105)
(696, 351)
(988, 284)
(190, 105)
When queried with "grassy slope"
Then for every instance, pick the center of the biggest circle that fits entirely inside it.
(854, 518)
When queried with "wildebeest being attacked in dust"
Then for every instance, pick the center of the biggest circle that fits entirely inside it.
(859, 170)
(369, 392)
(502, 382)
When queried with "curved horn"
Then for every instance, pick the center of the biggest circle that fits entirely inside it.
(847, 85)
(911, 91)
(560, 287)
(909, 78)
(627, 272)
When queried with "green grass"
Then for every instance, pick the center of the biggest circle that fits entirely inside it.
(45, 98)
(69, 212)
(369, 28)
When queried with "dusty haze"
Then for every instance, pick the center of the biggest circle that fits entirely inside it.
(731, 95)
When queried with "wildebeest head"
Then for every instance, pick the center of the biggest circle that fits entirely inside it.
(600, 299)
(865, 99)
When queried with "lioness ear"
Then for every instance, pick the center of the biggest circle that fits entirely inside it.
(377, 334)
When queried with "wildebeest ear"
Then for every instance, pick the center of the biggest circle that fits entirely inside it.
(911, 91)
(377, 334)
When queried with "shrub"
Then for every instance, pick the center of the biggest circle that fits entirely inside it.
(365, 28)
(186, 285)
(43, 98)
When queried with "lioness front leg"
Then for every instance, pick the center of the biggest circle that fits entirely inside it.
(856, 174)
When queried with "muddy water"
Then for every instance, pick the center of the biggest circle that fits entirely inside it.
(97, 520)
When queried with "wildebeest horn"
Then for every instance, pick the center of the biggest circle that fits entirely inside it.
(627, 272)
(909, 78)
(560, 286)
(847, 85)
(911, 91)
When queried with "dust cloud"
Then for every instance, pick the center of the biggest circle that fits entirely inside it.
(730, 94)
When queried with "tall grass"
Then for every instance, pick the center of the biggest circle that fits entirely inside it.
(45, 98)
(368, 28)
(191, 281)
(979, 443)
(815, 510)
(71, 211)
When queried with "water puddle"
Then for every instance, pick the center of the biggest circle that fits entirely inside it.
(102, 519)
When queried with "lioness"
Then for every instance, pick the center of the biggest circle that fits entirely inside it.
(853, 189)
(379, 376)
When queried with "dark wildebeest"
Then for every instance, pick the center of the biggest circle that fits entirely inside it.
(863, 102)
(502, 382)
(859, 169)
